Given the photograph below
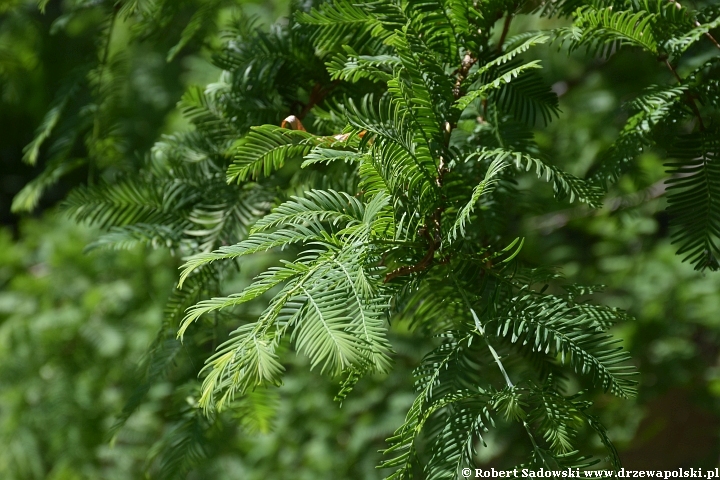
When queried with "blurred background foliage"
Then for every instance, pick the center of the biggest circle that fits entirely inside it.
(74, 325)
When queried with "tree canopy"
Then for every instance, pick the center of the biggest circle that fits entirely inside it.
(424, 227)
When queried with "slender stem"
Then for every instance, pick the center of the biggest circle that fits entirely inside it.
(395, 242)
(98, 95)
(418, 267)
(532, 438)
(712, 39)
(506, 28)
(500, 365)
(688, 98)
(481, 329)
(674, 72)
(317, 95)
(553, 221)
(101, 71)
(497, 130)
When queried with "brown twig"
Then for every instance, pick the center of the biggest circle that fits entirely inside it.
(434, 241)
(506, 28)
(674, 72)
(712, 39)
(408, 269)
(427, 260)
(317, 95)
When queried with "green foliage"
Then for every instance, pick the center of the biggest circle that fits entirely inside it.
(67, 372)
(76, 404)
(693, 194)
(666, 31)
(388, 208)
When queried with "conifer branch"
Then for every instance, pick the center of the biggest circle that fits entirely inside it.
(365, 210)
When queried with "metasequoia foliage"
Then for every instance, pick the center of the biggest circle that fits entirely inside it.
(378, 144)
